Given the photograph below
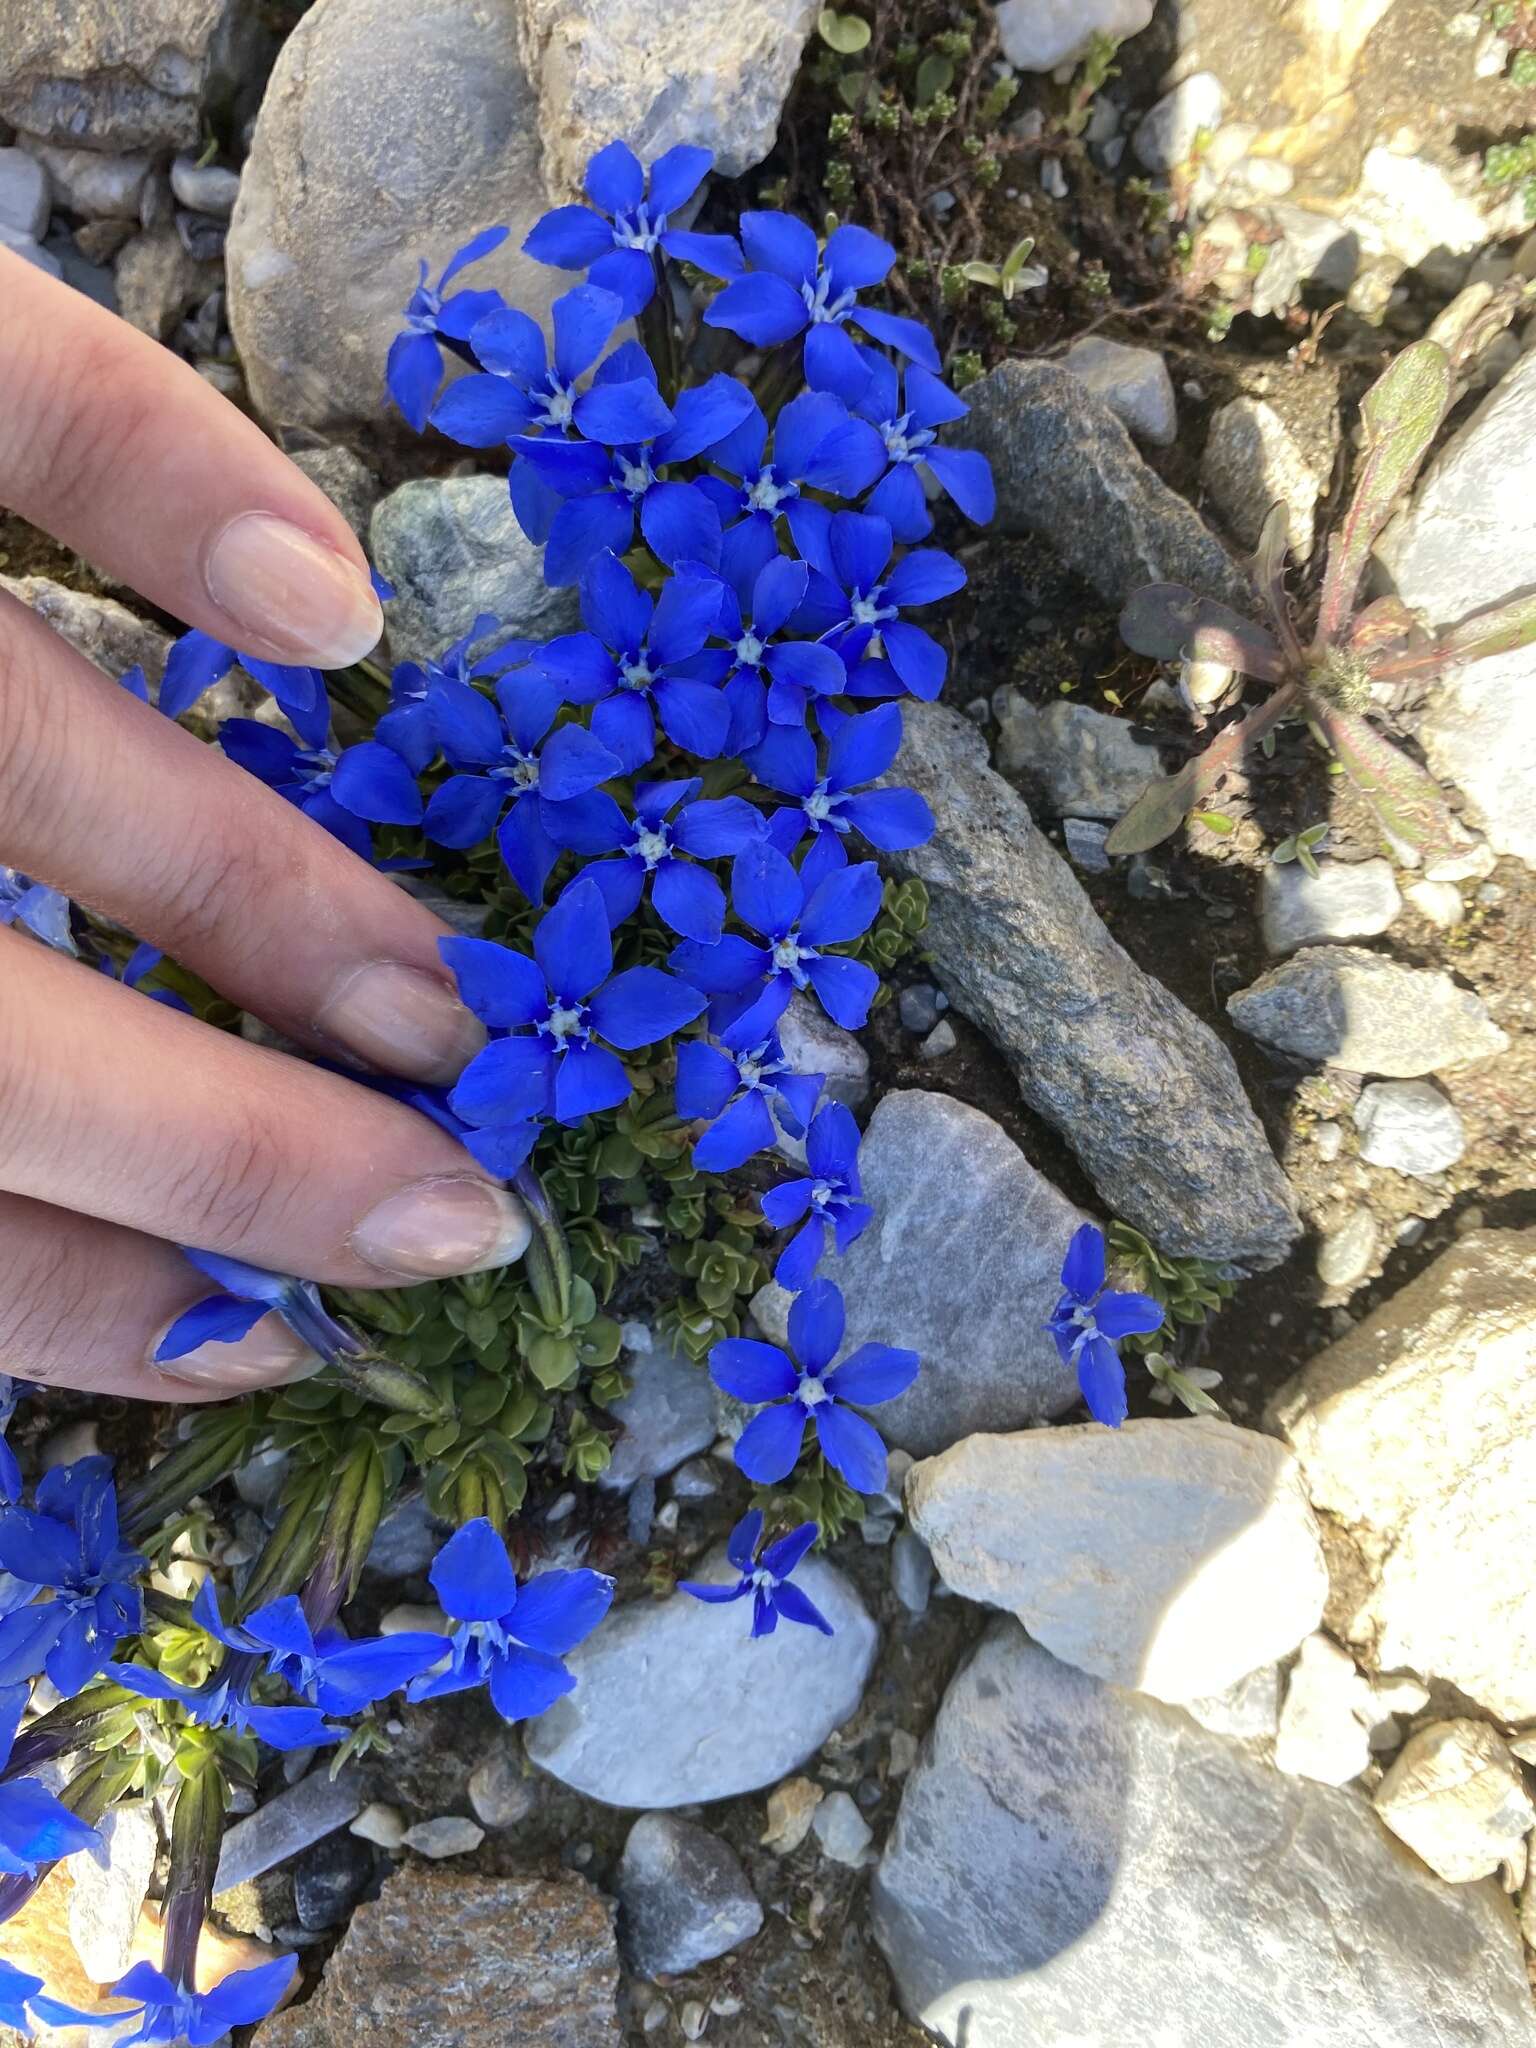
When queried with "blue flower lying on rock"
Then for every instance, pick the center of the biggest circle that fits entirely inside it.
(766, 1578)
(35, 1827)
(68, 1547)
(168, 2014)
(1088, 1321)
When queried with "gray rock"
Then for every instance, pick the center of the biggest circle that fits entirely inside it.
(1133, 382)
(1036, 1523)
(1328, 1714)
(24, 196)
(911, 1571)
(1414, 1433)
(330, 1878)
(1440, 902)
(1313, 248)
(95, 186)
(1073, 761)
(1467, 541)
(1145, 1094)
(1050, 1811)
(1086, 849)
(1409, 1125)
(159, 282)
(1341, 901)
(961, 1264)
(100, 628)
(450, 1834)
(18, 244)
(1067, 469)
(350, 484)
(205, 188)
(813, 1044)
(842, 1831)
(1368, 1014)
(452, 548)
(84, 274)
(1166, 136)
(714, 73)
(920, 1007)
(203, 239)
(675, 1704)
(499, 1792)
(1251, 461)
(304, 1814)
(119, 78)
(668, 1415)
(1248, 1711)
(683, 1897)
(111, 1884)
(1037, 35)
(406, 1540)
(1348, 1253)
(1456, 1797)
(388, 135)
(940, 1042)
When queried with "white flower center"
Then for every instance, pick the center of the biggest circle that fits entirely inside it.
(652, 846)
(818, 805)
(749, 650)
(764, 494)
(565, 1021)
(636, 674)
(788, 954)
(820, 304)
(558, 406)
(821, 1193)
(812, 1392)
(637, 232)
(635, 478)
(750, 1072)
(867, 611)
(903, 441)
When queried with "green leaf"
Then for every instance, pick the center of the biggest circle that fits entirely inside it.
(1382, 623)
(1408, 802)
(1016, 258)
(851, 88)
(1167, 621)
(1162, 808)
(845, 33)
(553, 1360)
(934, 75)
(1500, 630)
(982, 273)
(1214, 821)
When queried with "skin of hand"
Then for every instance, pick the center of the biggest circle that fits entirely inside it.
(125, 1127)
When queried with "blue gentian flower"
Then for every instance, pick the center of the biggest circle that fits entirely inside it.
(817, 445)
(509, 1638)
(559, 1005)
(780, 284)
(801, 1389)
(42, 911)
(197, 661)
(615, 245)
(409, 726)
(1088, 1320)
(908, 429)
(751, 983)
(68, 1545)
(513, 775)
(342, 1675)
(521, 388)
(766, 1578)
(766, 679)
(629, 663)
(169, 2015)
(742, 1088)
(415, 365)
(831, 803)
(16, 1989)
(10, 1471)
(343, 793)
(247, 1294)
(35, 1827)
(828, 1197)
(226, 1703)
(852, 554)
(670, 822)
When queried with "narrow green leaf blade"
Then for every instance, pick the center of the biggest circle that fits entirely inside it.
(1408, 802)
(1162, 808)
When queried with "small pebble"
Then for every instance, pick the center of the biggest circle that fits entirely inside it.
(842, 1831)
(696, 1480)
(1440, 902)
(920, 1007)
(380, 1824)
(666, 1516)
(693, 2019)
(1085, 839)
(451, 1834)
(499, 1793)
(1329, 1140)
(561, 1508)
(940, 1042)
(1053, 179)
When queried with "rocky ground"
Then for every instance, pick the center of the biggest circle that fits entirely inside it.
(1215, 1728)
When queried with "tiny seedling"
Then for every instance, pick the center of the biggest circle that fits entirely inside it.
(1301, 847)
(1014, 274)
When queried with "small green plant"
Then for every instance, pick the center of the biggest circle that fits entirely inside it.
(1302, 848)
(1513, 164)
(1189, 1289)
(847, 34)
(1014, 274)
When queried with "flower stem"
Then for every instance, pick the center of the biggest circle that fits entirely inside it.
(197, 1834)
(547, 1261)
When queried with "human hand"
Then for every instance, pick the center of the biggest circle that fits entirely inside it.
(125, 1127)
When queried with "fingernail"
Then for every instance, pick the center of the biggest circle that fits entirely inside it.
(293, 599)
(269, 1355)
(402, 1020)
(443, 1226)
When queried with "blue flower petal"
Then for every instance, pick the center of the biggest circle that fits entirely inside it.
(1102, 1379)
(503, 988)
(587, 1079)
(741, 1131)
(873, 1373)
(752, 1371)
(472, 1574)
(1082, 1270)
(676, 175)
(768, 1449)
(852, 1447)
(615, 179)
(760, 308)
(557, 1610)
(582, 318)
(568, 238)
(642, 1006)
(511, 1080)
(780, 243)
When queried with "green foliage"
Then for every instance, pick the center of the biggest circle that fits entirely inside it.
(1514, 163)
(815, 1494)
(1302, 847)
(1188, 1288)
(847, 34)
(895, 932)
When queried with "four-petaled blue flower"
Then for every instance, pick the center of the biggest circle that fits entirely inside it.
(509, 1638)
(670, 821)
(415, 365)
(559, 1005)
(766, 1578)
(807, 1387)
(169, 2014)
(742, 1086)
(35, 1827)
(344, 792)
(908, 430)
(340, 1674)
(1088, 1320)
(830, 803)
(615, 245)
(42, 911)
(827, 1196)
(247, 1293)
(68, 1546)
(197, 661)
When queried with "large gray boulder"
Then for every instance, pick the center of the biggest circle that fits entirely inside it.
(1145, 1094)
(1073, 1863)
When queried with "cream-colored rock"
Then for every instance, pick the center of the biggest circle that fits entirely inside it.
(1327, 1717)
(1174, 1557)
(1456, 1796)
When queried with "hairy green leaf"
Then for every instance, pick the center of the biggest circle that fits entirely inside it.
(1500, 630)
(1407, 801)
(1162, 808)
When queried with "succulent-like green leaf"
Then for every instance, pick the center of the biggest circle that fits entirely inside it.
(1408, 802)
(1500, 630)
(1161, 809)
(845, 33)
(1167, 621)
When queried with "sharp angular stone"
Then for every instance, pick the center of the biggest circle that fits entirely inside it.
(1456, 1797)
(1251, 461)
(842, 1831)
(1366, 1013)
(1037, 1523)
(1341, 901)
(1054, 1821)
(683, 1897)
(1133, 382)
(1409, 1125)
(452, 548)
(668, 1415)
(1416, 1437)
(1073, 761)
(1066, 469)
(100, 628)
(1328, 1714)
(306, 1813)
(675, 1704)
(330, 1878)
(1145, 1094)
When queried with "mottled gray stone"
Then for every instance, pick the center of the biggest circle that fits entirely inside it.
(675, 1704)
(24, 198)
(406, 1540)
(449, 1834)
(206, 188)
(1366, 1013)
(1145, 1094)
(1133, 382)
(1067, 469)
(305, 1813)
(159, 282)
(683, 1897)
(1073, 761)
(452, 548)
(668, 1415)
(841, 1830)
(1409, 1125)
(18, 244)
(1251, 461)
(1348, 1252)
(111, 1884)
(104, 631)
(94, 185)
(1341, 901)
(1457, 1798)
(1059, 1834)
(350, 484)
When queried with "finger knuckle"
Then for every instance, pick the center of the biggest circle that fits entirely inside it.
(78, 427)
(234, 1188)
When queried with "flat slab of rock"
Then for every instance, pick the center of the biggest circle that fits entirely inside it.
(1060, 1835)
(1342, 900)
(668, 1414)
(1144, 1093)
(1366, 1013)
(676, 1705)
(445, 1960)
(1133, 1553)
(1416, 1436)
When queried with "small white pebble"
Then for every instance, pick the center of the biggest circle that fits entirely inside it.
(451, 1834)
(380, 1824)
(693, 2019)
(408, 1618)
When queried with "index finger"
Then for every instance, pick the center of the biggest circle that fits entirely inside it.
(119, 449)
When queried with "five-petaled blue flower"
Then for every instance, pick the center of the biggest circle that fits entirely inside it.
(817, 445)
(908, 429)
(225, 1702)
(409, 726)
(169, 2015)
(741, 1086)
(886, 654)
(830, 803)
(766, 679)
(509, 1638)
(68, 1545)
(807, 1387)
(1088, 1320)
(197, 661)
(344, 793)
(42, 911)
(558, 1005)
(35, 1827)
(415, 365)
(827, 1196)
(670, 821)
(340, 1673)
(616, 244)
(247, 1293)
(766, 1578)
